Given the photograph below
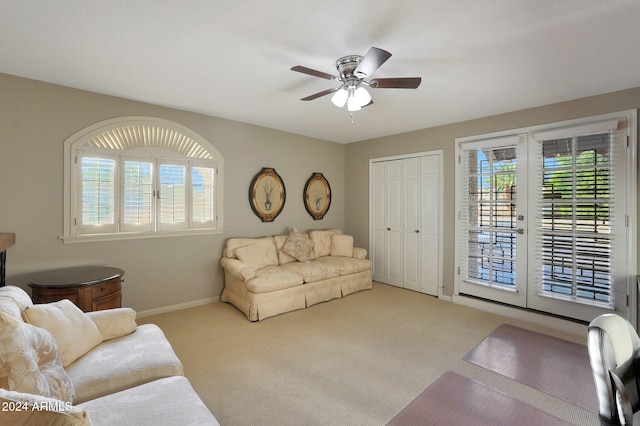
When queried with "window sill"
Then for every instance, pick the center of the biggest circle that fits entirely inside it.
(91, 238)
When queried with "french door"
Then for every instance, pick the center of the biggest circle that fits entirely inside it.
(543, 218)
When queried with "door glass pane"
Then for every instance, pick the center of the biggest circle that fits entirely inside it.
(576, 228)
(492, 216)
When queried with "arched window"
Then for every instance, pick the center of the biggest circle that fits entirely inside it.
(139, 177)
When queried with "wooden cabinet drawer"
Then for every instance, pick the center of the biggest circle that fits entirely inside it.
(105, 289)
(108, 302)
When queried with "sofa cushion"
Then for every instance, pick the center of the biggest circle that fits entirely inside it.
(74, 332)
(346, 265)
(298, 245)
(30, 361)
(134, 359)
(168, 401)
(32, 409)
(251, 255)
(322, 242)
(342, 245)
(282, 256)
(266, 245)
(115, 322)
(313, 271)
(273, 278)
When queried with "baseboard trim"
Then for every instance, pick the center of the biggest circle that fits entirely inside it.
(177, 307)
(547, 321)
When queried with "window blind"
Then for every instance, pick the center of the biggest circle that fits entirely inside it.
(574, 213)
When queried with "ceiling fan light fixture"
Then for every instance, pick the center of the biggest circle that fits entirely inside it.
(362, 96)
(340, 97)
(352, 103)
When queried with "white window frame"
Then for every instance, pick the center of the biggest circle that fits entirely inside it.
(147, 139)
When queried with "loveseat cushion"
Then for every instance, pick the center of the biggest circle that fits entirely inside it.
(266, 245)
(313, 271)
(322, 242)
(115, 322)
(74, 332)
(29, 361)
(140, 357)
(14, 300)
(273, 278)
(32, 409)
(346, 265)
(252, 256)
(168, 401)
(342, 245)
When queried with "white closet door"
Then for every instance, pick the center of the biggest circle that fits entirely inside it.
(411, 229)
(430, 225)
(406, 222)
(387, 222)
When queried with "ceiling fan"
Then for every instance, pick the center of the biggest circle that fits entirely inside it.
(354, 73)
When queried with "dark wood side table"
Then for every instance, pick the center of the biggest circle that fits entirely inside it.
(91, 288)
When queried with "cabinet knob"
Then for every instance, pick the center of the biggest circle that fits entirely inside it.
(388, 229)
(103, 289)
(417, 231)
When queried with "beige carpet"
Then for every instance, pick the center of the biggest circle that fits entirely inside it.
(353, 361)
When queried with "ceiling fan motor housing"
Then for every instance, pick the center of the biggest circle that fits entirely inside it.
(346, 67)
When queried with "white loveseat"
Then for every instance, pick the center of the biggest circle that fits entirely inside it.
(272, 275)
(60, 366)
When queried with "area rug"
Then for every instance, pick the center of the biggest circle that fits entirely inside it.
(552, 365)
(454, 399)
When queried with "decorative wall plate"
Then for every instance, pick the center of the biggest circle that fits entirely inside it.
(267, 194)
(317, 196)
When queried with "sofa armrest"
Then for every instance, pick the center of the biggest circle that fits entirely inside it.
(359, 253)
(114, 323)
(237, 268)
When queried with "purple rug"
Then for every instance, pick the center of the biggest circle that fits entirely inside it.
(552, 365)
(457, 400)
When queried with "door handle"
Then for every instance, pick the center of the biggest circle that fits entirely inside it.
(417, 231)
(388, 229)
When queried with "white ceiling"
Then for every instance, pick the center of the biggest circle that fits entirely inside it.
(232, 58)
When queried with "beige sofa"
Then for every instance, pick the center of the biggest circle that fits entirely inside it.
(272, 275)
(60, 366)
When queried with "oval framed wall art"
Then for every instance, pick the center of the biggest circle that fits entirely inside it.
(267, 194)
(317, 196)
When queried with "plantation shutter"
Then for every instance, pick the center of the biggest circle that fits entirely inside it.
(173, 197)
(138, 200)
(96, 211)
(574, 239)
(203, 197)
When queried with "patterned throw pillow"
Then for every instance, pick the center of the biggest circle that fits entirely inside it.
(31, 361)
(298, 246)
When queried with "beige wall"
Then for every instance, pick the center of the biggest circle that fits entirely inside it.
(36, 118)
(443, 137)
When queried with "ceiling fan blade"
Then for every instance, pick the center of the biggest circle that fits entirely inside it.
(319, 94)
(396, 83)
(374, 58)
(315, 73)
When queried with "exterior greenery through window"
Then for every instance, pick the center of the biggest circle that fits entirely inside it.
(141, 177)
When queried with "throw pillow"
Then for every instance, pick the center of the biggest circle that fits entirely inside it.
(31, 361)
(252, 256)
(298, 246)
(112, 323)
(31, 409)
(74, 332)
(342, 245)
(322, 242)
